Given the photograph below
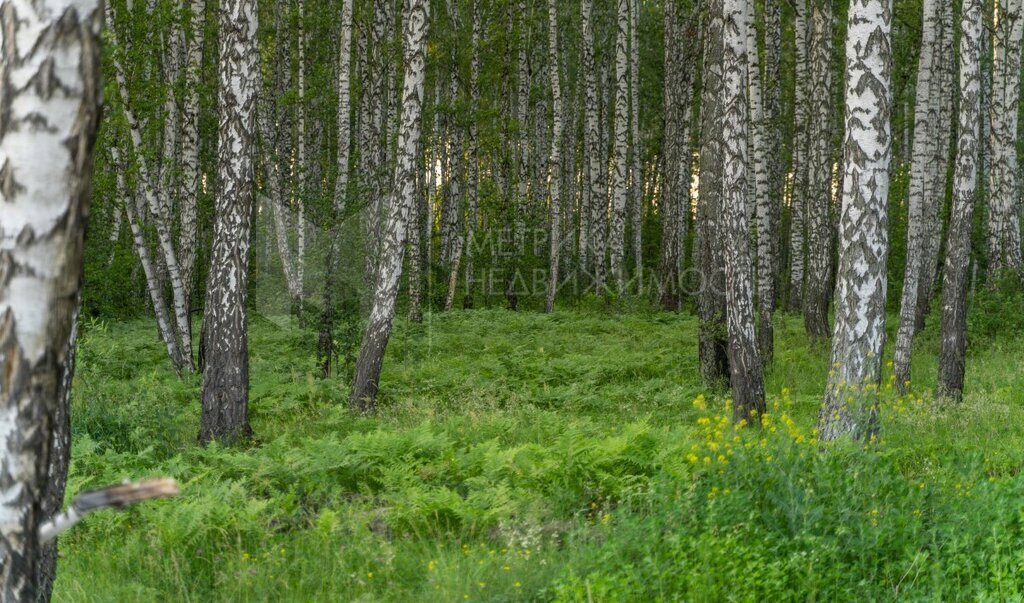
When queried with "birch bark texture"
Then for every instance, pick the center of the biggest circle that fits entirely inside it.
(850, 407)
(1003, 224)
(555, 159)
(921, 189)
(325, 345)
(713, 342)
(620, 175)
(965, 179)
(51, 95)
(382, 314)
(225, 389)
(818, 294)
(744, 362)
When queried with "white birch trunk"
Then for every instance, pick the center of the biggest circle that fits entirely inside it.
(921, 193)
(49, 63)
(378, 331)
(850, 407)
(965, 179)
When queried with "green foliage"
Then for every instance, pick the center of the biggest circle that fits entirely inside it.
(518, 456)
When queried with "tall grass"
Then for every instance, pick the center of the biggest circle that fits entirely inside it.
(572, 457)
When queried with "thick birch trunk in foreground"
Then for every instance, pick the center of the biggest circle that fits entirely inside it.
(714, 343)
(50, 64)
(325, 346)
(850, 407)
(620, 177)
(225, 393)
(555, 160)
(744, 362)
(958, 249)
(925, 132)
(382, 315)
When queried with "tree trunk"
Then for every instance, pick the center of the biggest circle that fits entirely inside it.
(325, 347)
(46, 150)
(764, 192)
(555, 159)
(818, 296)
(921, 193)
(744, 362)
(620, 182)
(958, 251)
(945, 86)
(850, 407)
(713, 337)
(798, 196)
(378, 331)
(1003, 224)
(225, 390)
(191, 182)
(161, 214)
(473, 171)
(636, 178)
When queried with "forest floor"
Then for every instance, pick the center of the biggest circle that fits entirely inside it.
(570, 457)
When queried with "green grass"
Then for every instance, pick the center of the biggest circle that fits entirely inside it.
(518, 456)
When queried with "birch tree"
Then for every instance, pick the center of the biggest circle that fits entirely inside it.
(325, 346)
(954, 277)
(763, 198)
(744, 362)
(818, 296)
(52, 95)
(850, 407)
(636, 170)
(555, 160)
(711, 303)
(378, 331)
(921, 192)
(798, 194)
(620, 182)
(190, 178)
(1003, 223)
(225, 390)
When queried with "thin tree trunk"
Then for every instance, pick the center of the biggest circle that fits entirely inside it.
(713, 337)
(798, 196)
(46, 150)
(945, 87)
(161, 219)
(378, 331)
(225, 390)
(190, 179)
(818, 295)
(954, 286)
(636, 179)
(620, 182)
(764, 194)
(921, 193)
(850, 407)
(744, 362)
(325, 347)
(473, 171)
(1003, 224)
(555, 159)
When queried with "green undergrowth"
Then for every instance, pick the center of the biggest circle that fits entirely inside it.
(568, 457)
